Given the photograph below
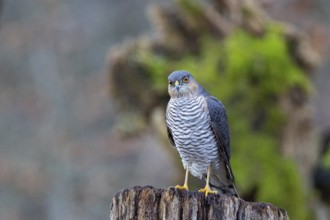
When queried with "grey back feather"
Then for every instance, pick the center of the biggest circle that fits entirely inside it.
(219, 123)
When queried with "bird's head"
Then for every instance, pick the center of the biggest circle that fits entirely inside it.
(182, 84)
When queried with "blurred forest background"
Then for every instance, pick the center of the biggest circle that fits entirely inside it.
(83, 93)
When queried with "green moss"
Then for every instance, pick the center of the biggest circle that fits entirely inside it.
(325, 161)
(248, 74)
(192, 7)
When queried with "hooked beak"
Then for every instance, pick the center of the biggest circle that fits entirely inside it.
(177, 85)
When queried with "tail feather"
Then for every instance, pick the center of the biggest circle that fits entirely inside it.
(228, 190)
(222, 180)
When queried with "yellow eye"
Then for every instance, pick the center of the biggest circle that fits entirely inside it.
(186, 79)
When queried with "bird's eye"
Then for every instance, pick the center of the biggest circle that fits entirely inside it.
(186, 79)
(170, 82)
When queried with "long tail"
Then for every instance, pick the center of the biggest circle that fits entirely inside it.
(222, 180)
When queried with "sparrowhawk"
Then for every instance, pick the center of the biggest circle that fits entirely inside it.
(197, 126)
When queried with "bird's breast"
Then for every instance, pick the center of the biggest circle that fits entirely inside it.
(189, 122)
(187, 115)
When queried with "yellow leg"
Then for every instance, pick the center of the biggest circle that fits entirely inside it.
(207, 188)
(185, 185)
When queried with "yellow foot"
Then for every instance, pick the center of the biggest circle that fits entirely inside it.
(184, 187)
(207, 190)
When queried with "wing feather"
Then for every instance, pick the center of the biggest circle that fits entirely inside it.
(219, 124)
(220, 128)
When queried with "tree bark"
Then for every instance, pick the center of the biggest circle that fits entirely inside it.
(148, 202)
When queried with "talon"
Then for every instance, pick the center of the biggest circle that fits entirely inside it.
(207, 190)
(184, 187)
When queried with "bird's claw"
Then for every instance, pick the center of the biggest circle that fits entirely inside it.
(207, 190)
(184, 187)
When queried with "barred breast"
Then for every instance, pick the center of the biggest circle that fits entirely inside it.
(189, 121)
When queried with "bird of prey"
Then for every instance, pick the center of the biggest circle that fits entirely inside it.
(197, 126)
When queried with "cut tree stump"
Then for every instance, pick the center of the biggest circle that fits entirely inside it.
(147, 202)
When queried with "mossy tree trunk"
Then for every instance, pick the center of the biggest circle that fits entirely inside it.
(152, 203)
(258, 67)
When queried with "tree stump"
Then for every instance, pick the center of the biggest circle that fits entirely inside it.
(148, 202)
